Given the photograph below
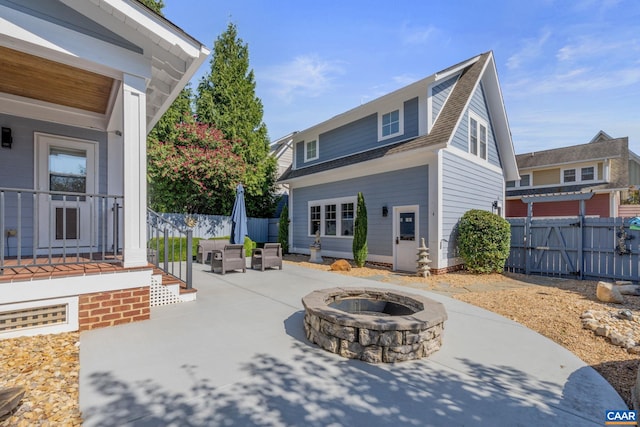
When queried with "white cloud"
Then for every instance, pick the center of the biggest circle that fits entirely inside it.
(404, 79)
(587, 48)
(305, 75)
(418, 36)
(531, 49)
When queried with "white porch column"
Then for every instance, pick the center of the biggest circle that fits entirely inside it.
(135, 167)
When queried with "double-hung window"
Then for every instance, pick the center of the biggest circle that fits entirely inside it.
(478, 136)
(587, 174)
(314, 219)
(332, 217)
(569, 175)
(310, 150)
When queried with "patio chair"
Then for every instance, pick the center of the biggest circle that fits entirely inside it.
(267, 257)
(206, 246)
(231, 257)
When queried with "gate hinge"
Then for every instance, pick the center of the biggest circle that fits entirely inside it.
(574, 224)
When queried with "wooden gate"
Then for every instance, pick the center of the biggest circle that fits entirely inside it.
(593, 248)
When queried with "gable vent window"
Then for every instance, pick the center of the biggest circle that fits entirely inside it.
(478, 131)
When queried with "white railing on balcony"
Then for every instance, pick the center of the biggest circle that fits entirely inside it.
(46, 228)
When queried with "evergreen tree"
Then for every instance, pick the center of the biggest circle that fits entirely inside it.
(360, 250)
(283, 229)
(226, 99)
(179, 112)
(155, 5)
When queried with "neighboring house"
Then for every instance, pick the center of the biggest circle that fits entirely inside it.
(422, 156)
(604, 167)
(282, 150)
(81, 84)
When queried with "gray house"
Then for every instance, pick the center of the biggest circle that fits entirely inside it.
(422, 156)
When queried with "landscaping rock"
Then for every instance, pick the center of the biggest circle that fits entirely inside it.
(607, 292)
(341, 265)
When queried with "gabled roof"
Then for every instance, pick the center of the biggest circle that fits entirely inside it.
(442, 131)
(598, 149)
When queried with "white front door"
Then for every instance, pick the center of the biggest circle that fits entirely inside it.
(65, 165)
(405, 235)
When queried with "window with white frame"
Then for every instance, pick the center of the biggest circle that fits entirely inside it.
(332, 217)
(314, 219)
(390, 124)
(587, 174)
(569, 175)
(525, 180)
(478, 136)
(311, 150)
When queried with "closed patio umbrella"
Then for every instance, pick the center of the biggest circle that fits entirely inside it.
(239, 218)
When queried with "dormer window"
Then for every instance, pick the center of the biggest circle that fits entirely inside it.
(477, 136)
(569, 175)
(390, 124)
(587, 174)
(311, 150)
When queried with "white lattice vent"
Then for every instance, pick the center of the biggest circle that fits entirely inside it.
(33, 317)
(163, 295)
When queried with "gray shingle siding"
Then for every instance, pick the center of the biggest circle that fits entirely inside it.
(465, 185)
(404, 187)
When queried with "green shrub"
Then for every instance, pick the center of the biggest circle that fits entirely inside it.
(178, 247)
(360, 250)
(484, 241)
(283, 229)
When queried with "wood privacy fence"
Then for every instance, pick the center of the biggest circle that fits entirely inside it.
(578, 247)
(207, 226)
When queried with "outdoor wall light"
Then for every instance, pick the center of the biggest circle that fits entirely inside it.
(7, 139)
(385, 211)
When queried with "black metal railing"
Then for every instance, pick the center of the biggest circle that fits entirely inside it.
(48, 228)
(169, 247)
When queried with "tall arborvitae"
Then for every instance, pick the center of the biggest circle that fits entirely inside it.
(226, 99)
(360, 250)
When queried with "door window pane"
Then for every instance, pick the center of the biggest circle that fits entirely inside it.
(67, 170)
(67, 223)
(407, 226)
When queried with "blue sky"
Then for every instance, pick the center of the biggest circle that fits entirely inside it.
(567, 68)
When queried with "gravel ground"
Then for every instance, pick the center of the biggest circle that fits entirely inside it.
(47, 365)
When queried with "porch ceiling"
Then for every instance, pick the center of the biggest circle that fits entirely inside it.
(37, 78)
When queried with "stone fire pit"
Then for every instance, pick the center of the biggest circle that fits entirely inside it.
(374, 325)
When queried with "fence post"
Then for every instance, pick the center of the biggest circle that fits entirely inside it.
(580, 258)
(189, 257)
(166, 249)
(527, 239)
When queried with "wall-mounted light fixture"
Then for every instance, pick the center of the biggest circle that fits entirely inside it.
(7, 139)
(385, 211)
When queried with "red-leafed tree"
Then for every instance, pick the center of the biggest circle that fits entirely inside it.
(196, 172)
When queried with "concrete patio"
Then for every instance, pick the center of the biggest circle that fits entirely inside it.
(238, 357)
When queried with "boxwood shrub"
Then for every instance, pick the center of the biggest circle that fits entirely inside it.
(484, 239)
